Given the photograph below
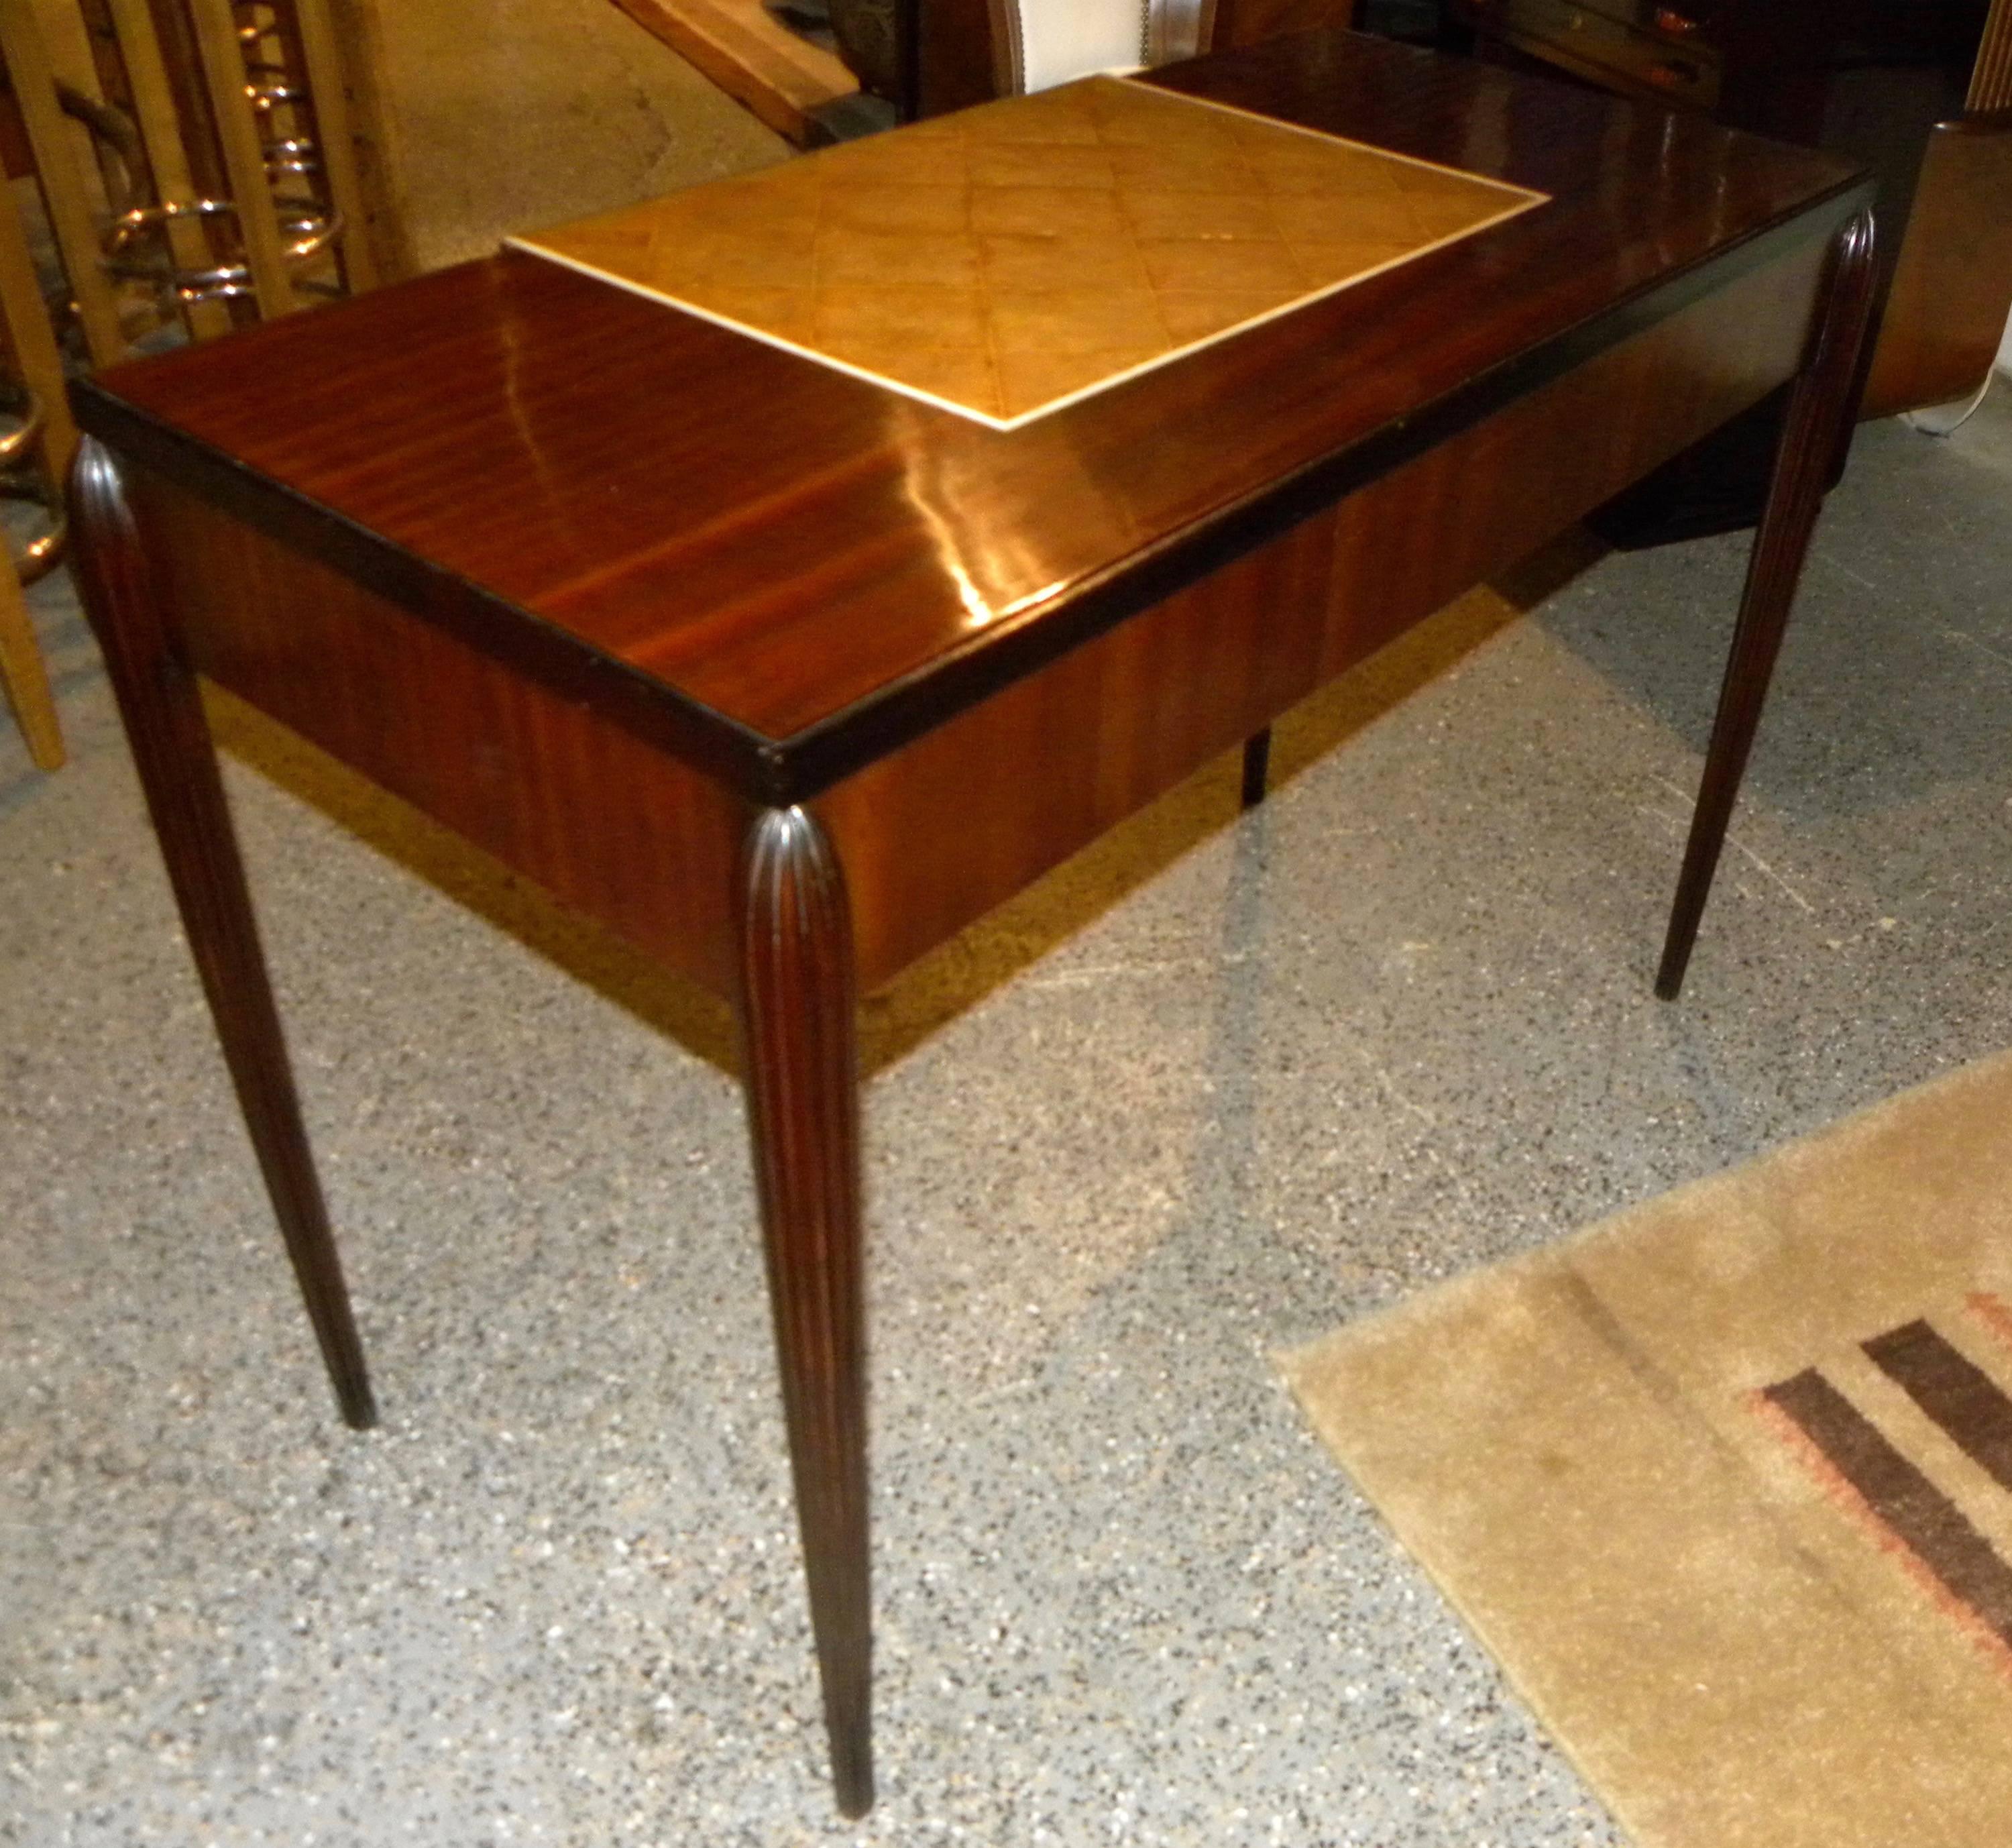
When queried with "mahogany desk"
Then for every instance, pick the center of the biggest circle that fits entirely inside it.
(787, 677)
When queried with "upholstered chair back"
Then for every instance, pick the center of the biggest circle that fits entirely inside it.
(1052, 41)
(973, 49)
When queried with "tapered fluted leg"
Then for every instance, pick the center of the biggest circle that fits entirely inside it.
(801, 1064)
(176, 759)
(1257, 766)
(1821, 401)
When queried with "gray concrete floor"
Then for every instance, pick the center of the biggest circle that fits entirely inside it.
(1216, 1088)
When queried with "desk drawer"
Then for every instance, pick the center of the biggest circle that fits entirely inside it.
(1098, 733)
(513, 766)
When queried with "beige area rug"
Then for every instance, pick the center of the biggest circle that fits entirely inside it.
(1725, 1483)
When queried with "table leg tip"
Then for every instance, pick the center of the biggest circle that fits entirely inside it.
(1677, 947)
(359, 1409)
(855, 1789)
(1257, 767)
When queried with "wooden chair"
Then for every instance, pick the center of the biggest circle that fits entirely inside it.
(34, 364)
(24, 677)
(195, 162)
(233, 182)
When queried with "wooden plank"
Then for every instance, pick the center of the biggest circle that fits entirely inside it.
(782, 79)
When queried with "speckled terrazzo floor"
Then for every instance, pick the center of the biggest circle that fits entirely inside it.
(1395, 1026)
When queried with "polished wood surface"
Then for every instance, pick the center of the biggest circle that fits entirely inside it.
(1110, 725)
(1227, 24)
(527, 549)
(773, 568)
(492, 754)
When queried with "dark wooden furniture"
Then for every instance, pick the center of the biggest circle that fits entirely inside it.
(1914, 88)
(725, 648)
(1919, 90)
(1945, 309)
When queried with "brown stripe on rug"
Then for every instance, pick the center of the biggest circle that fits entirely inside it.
(1903, 1502)
(1742, 1641)
(1959, 1395)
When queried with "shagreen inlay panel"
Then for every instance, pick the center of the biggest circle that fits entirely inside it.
(1005, 260)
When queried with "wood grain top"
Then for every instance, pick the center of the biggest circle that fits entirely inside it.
(780, 572)
(1005, 261)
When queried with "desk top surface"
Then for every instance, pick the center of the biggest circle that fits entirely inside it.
(1005, 261)
(783, 569)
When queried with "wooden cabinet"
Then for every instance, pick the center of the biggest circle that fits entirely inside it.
(1920, 91)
